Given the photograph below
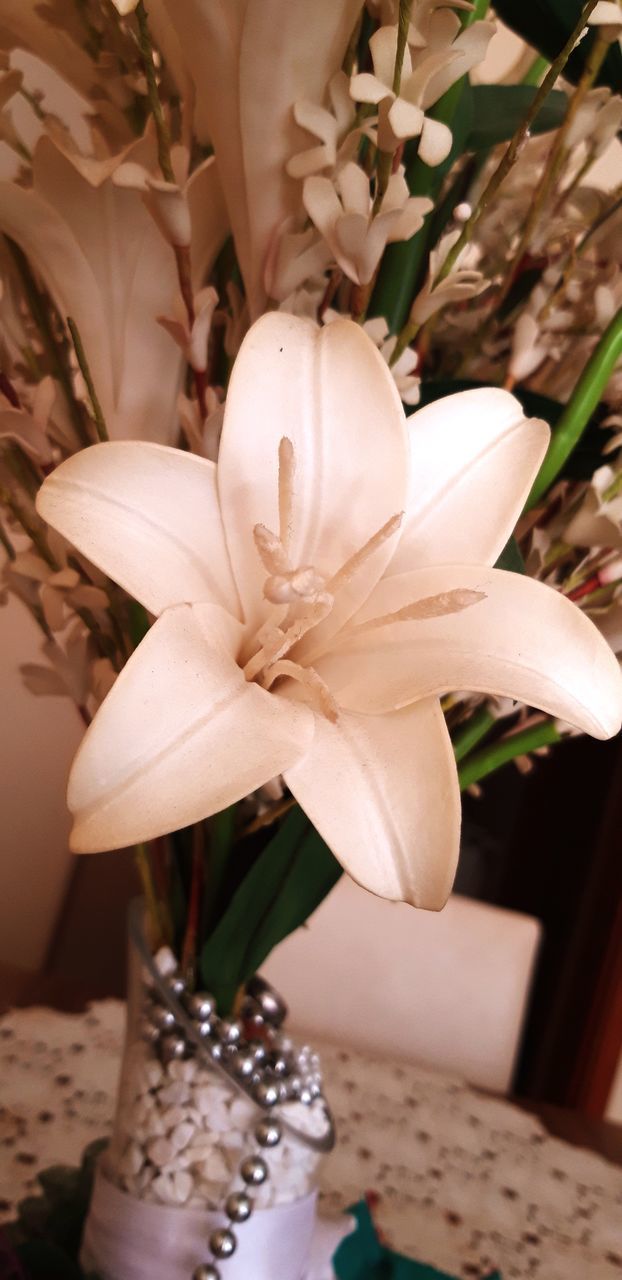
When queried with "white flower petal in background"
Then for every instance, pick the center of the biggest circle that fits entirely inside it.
(398, 835)
(251, 61)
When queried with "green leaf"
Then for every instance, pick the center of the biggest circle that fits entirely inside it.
(499, 109)
(285, 884)
(546, 26)
(511, 559)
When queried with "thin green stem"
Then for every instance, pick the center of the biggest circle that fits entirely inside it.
(580, 407)
(536, 71)
(507, 162)
(472, 733)
(143, 865)
(39, 310)
(98, 416)
(163, 136)
(385, 158)
(486, 761)
(554, 165)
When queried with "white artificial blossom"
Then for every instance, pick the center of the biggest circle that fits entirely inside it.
(316, 592)
(403, 115)
(343, 212)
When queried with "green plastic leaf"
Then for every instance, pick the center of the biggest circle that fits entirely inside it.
(499, 109)
(285, 884)
(546, 26)
(511, 558)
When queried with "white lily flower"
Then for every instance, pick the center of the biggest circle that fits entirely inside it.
(315, 592)
(403, 115)
(342, 210)
(250, 62)
(106, 264)
(125, 6)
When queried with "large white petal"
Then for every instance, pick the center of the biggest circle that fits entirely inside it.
(105, 264)
(474, 457)
(180, 736)
(147, 516)
(524, 641)
(250, 61)
(330, 392)
(383, 793)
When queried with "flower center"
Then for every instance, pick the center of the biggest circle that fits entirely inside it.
(302, 596)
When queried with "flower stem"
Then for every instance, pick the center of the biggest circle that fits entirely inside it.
(580, 407)
(554, 164)
(507, 162)
(473, 731)
(146, 878)
(37, 305)
(78, 346)
(492, 757)
(385, 158)
(159, 119)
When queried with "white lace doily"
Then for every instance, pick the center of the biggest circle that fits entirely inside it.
(465, 1183)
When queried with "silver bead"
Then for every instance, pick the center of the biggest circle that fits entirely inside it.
(230, 1032)
(280, 1066)
(268, 1133)
(216, 1052)
(205, 1030)
(222, 1242)
(244, 1066)
(259, 1054)
(283, 1091)
(267, 1095)
(272, 1007)
(294, 1085)
(200, 1005)
(149, 1032)
(254, 1171)
(306, 1096)
(176, 986)
(238, 1206)
(172, 1047)
(315, 1089)
(162, 1017)
(206, 1271)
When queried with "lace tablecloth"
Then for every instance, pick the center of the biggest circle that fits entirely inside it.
(464, 1182)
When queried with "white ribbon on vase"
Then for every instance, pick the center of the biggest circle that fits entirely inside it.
(130, 1239)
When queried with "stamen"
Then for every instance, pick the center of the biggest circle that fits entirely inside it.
(351, 566)
(271, 550)
(304, 584)
(287, 470)
(306, 676)
(428, 607)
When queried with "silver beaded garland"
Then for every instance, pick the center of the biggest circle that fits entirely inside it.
(268, 1133)
(266, 1094)
(201, 1006)
(222, 1242)
(206, 1271)
(172, 1048)
(238, 1206)
(254, 1171)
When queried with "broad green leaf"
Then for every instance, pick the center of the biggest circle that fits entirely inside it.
(285, 884)
(499, 109)
(546, 26)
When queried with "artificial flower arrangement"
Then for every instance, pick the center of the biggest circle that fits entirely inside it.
(283, 342)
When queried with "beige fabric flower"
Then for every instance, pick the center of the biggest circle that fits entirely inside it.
(316, 591)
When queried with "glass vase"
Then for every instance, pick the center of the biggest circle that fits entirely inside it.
(217, 1141)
